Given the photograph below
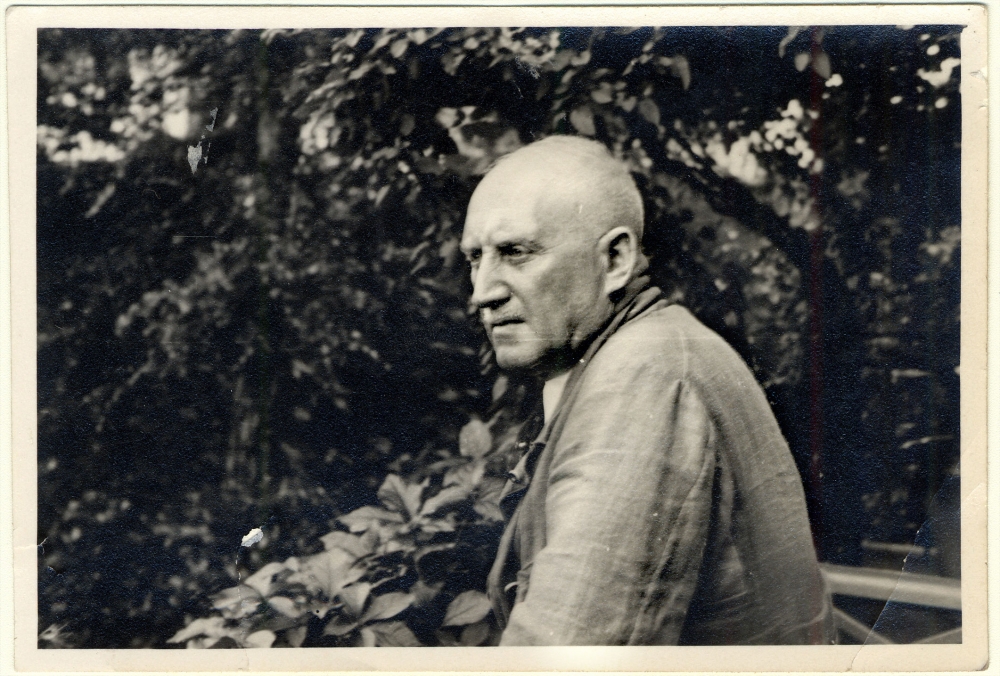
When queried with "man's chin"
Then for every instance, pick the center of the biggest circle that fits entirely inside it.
(531, 363)
(515, 360)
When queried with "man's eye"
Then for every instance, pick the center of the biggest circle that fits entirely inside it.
(514, 251)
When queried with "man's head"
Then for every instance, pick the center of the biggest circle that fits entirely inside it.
(552, 234)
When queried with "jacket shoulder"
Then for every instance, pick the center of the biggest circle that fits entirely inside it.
(670, 341)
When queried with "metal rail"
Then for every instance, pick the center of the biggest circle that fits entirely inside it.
(885, 585)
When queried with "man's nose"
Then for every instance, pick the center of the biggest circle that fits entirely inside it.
(488, 288)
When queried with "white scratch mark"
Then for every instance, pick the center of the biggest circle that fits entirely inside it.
(194, 156)
(253, 537)
(195, 153)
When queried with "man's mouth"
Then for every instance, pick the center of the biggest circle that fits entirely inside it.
(507, 321)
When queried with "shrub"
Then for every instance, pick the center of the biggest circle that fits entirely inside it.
(406, 572)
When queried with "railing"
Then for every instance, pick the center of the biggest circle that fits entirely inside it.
(928, 591)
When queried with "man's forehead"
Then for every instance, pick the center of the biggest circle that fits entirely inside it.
(527, 197)
(499, 221)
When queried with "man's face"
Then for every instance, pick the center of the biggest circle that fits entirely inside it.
(536, 272)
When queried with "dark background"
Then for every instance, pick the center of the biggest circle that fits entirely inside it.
(260, 339)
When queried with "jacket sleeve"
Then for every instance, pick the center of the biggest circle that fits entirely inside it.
(627, 514)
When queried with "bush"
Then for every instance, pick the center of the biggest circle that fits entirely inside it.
(406, 572)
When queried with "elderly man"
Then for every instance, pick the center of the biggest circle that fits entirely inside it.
(656, 502)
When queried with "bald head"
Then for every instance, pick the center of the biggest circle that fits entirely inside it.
(572, 181)
(552, 237)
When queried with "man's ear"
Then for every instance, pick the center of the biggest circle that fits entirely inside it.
(619, 249)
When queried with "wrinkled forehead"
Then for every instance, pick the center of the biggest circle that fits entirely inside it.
(519, 198)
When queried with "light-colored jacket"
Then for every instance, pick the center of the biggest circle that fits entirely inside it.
(660, 505)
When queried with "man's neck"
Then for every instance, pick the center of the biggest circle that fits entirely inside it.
(552, 392)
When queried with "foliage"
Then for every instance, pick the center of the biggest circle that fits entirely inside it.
(402, 559)
(252, 309)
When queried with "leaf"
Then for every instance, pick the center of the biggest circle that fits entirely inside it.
(354, 597)
(821, 64)
(398, 48)
(424, 593)
(475, 440)
(582, 120)
(393, 635)
(285, 606)
(467, 475)
(400, 496)
(281, 622)
(387, 605)
(802, 60)
(353, 544)
(206, 626)
(296, 636)
(368, 639)
(369, 516)
(327, 572)
(446, 638)
(602, 95)
(467, 608)
(236, 602)
(475, 634)
(446, 496)
(263, 578)
(260, 639)
(339, 626)
(680, 67)
(649, 110)
(223, 643)
(793, 31)
(443, 524)
(488, 510)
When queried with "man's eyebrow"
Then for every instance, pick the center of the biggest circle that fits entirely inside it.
(517, 241)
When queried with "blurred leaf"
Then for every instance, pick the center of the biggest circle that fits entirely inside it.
(467, 608)
(488, 510)
(285, 606)
(357, 546)
(223, 643)
(339, 626)
(603, 94)
(649, 110)
(681, 69)
(354, 597)
(212, 627)
(821, 64)
(237, 602)
(466, 476)
(393, 635)
(368, 638)
(445, 497)
(262, 579)
(386, 606)
(296, 636)
(327, 572)
(474, 440)
(793, 32)
(582, 120)
(260, 639)
(400, 496)
(475, 634)
(367, 517)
